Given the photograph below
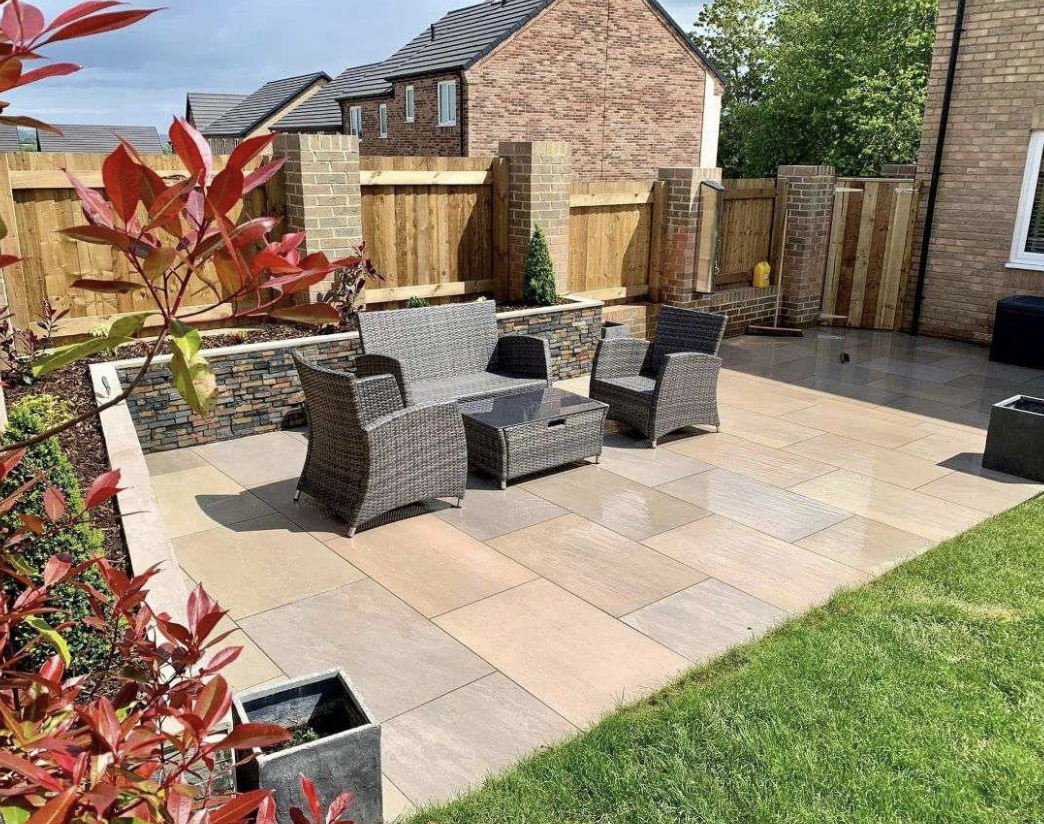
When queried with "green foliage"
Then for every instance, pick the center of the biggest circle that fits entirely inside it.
(417, 303)
(841, 82)
(31, 416)
(539, 287)
(918, 699)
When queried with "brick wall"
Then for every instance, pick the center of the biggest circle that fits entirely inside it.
(607, 76)
(260, 391)
(422, 137)
(998, 94)
(745, 307)
(810, 200)
(685, 246)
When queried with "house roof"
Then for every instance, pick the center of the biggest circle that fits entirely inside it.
(322, 111)
(464, 36)
(9, 140)
(251, 112)
(206, 107)
(80, 137)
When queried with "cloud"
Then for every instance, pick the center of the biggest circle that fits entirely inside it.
(139, 76)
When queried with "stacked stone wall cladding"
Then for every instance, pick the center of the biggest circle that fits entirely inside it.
(540, 182)
(997, 105)
(260, 391)
(424, 136)
(810, 203)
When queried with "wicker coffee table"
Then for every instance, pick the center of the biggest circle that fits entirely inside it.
(516, 435)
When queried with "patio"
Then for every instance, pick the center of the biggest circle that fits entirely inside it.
(480, 635)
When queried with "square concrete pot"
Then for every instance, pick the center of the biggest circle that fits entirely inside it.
(346, 756)
(612, 329)
(1015, 443)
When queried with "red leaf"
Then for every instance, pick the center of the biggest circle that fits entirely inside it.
(55, 569)
(222, 659)
(226, 190)
(9, 260)
(101, 235)
(266, 812)
(53, 669)
(81, 10)
(261, 176)
(54, 70)
(32, 523)
(312, 797)
(10, 71)
(249, 736)
(110, 21)
(120, 173)
(10, 461)
(253, 230)
(239, 807)
(102, 488)
(118, 287)
(95, 208)
(213, 702)
(54, 503)
(21, 22)
(57, 810)
(249, 149)
(191, 147)
(169, 203)
(314, 313)
(228, 274)
(266, 261)
(15, 763)
(339, 805)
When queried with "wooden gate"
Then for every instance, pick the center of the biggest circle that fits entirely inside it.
(750, 229)
(615, 239)
(871, 239)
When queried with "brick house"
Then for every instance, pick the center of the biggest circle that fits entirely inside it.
(618, 80)
(987, 235)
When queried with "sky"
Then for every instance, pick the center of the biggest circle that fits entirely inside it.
(139, 76)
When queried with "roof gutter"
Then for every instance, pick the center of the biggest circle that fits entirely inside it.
(940, 148)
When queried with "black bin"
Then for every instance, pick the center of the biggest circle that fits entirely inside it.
(1018, 332)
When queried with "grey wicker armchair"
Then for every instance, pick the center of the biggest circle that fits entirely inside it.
(451, 352)
(665, 385)
(369, 454)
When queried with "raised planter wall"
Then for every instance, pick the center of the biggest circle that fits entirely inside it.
(744, 306)
(260, 390)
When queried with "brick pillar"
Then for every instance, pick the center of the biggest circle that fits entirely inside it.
(540, 182)
(684, 245)
(810, 204)
(323, 197)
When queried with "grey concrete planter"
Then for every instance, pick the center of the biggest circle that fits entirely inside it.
(1015, 444)
(345, 758)
(612, 329)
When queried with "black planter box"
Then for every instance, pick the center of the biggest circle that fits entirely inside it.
(1015, 443)
(611, 329)
(345, 758)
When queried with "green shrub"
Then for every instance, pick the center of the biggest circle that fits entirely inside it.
(539, 287)
(28, 417)
(417, 303)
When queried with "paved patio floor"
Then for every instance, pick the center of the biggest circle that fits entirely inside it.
(478, 636)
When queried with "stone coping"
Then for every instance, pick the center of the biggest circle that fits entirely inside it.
(574, 304)
(143, 528)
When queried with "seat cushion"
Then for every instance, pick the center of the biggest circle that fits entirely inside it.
(636, 384)
(469, 387)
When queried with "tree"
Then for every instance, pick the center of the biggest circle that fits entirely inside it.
(539, 287)
(841, 82)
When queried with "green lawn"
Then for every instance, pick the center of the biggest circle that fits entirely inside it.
(917, 699)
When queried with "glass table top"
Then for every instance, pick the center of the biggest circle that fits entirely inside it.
(528, 407)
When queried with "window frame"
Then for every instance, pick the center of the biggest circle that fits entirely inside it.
(382, 120)
(353, 113)
(411, 104)
(443, 123)
(1020, 258)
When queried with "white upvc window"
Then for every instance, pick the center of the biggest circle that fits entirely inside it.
(1027, 248)
(448, 103)
(355, 121)
(384, 120)
(411, 104)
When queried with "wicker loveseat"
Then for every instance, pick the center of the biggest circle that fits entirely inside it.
(450, 352)
(668, 384)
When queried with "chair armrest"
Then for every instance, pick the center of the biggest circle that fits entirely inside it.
(524, 355)
(379, 396)
(619, 358)
(417, 425)
(370, 365)
(688, 373)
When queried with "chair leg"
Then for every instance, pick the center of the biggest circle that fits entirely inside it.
(503, 485)
(460, 502)
(652, 443)
(351, 532)
(297, 496)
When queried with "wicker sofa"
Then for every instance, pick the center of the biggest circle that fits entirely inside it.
(450, 352)
(368, 454)
(665, 385)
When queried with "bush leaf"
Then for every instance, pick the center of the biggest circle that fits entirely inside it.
(193, 377)
(65, 355)
(51, 636)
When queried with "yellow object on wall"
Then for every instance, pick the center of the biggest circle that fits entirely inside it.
(762, 275)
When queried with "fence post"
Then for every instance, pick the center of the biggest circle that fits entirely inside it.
(809, 208)
(540, 181)
(323, 195)
(684, 245)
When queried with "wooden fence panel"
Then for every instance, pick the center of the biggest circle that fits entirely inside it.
(36, 201)
(748, 229)
(869, 253)
(615, 237)
(434, 227)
